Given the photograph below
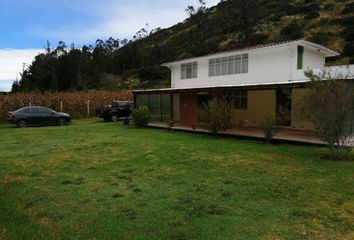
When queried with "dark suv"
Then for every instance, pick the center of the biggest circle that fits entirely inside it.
(37, 115)
(115, 111)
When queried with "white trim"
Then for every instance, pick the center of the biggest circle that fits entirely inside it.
(345, 70)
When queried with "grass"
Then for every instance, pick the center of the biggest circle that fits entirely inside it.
(93, 180)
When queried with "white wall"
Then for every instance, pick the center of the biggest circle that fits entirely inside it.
(265, 66)
(313, 59)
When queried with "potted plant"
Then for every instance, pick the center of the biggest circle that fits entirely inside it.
(242, 123)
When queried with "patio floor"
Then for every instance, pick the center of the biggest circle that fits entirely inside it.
(282, 135)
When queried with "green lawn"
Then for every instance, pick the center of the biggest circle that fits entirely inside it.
(93, 180)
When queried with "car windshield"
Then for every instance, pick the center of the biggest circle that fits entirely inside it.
(125, 104)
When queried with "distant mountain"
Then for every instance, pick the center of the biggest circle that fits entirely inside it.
(230, 25)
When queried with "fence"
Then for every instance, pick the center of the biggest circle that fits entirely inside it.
(77, 104)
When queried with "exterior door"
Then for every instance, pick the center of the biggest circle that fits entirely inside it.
(34, 116)
(49, 117)
(283, 107)
(188, 109)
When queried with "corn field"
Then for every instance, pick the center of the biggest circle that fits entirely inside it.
(77, 104)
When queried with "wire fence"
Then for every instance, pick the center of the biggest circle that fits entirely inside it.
(77, 104)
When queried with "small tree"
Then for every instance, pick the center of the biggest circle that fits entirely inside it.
(329, 105)
(216, 115)
(267, 124)
(141, 116)
(192, 11)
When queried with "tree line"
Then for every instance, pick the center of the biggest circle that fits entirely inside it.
(102, 66)
(115, 64)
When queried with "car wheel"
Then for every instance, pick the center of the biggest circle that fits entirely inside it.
(114, 117)
(22, 123)
(61, 121)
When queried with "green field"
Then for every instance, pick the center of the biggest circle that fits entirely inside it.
(93, 180)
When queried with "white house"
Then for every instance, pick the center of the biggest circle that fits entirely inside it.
(260, 80)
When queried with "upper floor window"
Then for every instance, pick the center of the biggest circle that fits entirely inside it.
(300, 57)
(189, 70)
(236, 64)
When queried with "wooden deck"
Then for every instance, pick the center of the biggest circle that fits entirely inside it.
(282, 135)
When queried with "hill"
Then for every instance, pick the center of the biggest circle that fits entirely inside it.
(230, 25)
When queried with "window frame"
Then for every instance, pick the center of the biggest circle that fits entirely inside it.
(189, 70)
(220, 66)
(300, 57)
(240, 99)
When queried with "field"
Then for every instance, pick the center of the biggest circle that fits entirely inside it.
(94, 180)
(75, 103)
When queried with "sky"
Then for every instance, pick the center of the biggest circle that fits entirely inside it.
(26, 25)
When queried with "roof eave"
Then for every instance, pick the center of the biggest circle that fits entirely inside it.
(327, 51)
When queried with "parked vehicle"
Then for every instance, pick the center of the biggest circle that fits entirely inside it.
(37, 115)
(116, 110)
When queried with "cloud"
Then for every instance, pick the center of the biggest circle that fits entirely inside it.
(83, 22)
(11, 63)
(119, 19)
(5, 86)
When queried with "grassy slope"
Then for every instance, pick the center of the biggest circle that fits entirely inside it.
(95, 180)
(272, 20)
(220, 29)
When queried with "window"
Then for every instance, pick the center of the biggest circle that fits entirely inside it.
(34, 110)
(45, 111)
(158, 104)
(300, 57)
(244, 63)
(24, 110)
(240, 99)
(236, 64)
(142, 100)
(125, 105)
(189, 70)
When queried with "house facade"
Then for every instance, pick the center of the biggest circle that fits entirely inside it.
(264, 80)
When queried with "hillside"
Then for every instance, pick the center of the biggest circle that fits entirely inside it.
(230, 25)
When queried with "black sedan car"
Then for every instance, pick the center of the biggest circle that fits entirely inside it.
(37, 115)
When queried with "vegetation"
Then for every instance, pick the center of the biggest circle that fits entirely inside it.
(329, 105)
(73, 103)
(216, 115)
(135, 63)
(141, 116)
(96, 180)
(267, 124)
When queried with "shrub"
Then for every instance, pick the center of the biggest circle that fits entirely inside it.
(292, 31)
(349, 49)
(310, 7)
(329, 6)
(349, 33)
(349, 8)
(344, 20)
(141, 116)
(267, 124)
(329, 105)
(321, 37)
(216, 115)
(312, 15)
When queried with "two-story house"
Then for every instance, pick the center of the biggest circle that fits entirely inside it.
(264, 80)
